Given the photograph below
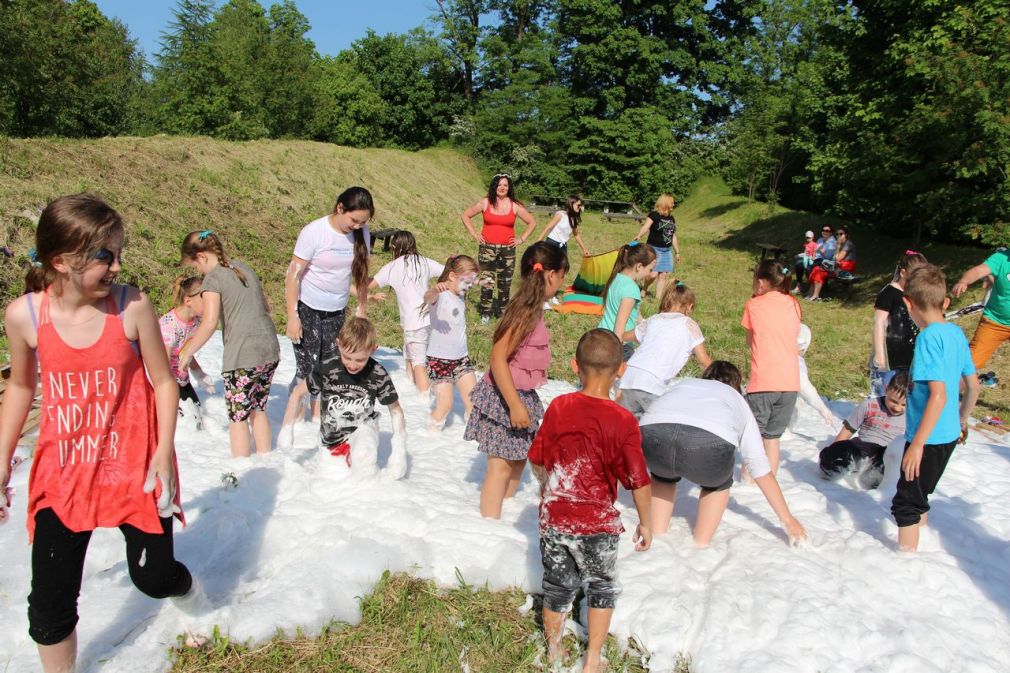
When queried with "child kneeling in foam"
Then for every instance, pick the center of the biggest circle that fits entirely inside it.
(350, 384)
(878, 421)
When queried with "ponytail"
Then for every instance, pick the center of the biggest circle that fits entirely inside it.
(527, 305)
(357, 198)
(207, 241)
(776, 273)
(184, 286)
(629, 255)
(676, 295)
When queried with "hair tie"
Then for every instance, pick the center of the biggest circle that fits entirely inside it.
(538, 266)
(680, 283)
(785, 270)
(452, 258)
(911, 252)
(33, 255)
(204, 234)
(632, 244)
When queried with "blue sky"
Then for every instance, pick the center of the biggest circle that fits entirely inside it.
(335, 23)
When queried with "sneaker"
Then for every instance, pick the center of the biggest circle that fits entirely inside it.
(988, 380)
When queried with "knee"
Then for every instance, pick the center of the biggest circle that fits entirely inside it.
(906, 512)
(559, 592)
(52, 623)
(158, 584)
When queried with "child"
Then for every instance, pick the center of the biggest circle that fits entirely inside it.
(808, 393)
(805, 260)
(350, 384)
(177, 326)
(877, 420)
(622, 295)
(506, 408)
(585, 446)
(941, 361)
(565, 225)
(772, 320)
(893, 330)
(94, 346)
(232, 294)
(408, 274)
(448, 359)
(667, 340)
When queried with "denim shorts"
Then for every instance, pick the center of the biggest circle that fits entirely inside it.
(664, 259)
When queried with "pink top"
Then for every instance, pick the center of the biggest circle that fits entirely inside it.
(175, 332)
(810, 248)
(773, 320)
(528, 365)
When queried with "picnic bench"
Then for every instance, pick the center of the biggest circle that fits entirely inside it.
(621, 210)
(382, 234)
(34, 414)
(771, 251)
(609, 210)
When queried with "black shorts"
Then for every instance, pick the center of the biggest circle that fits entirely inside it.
(573, 560)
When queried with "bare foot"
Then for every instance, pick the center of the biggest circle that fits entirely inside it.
(592, 665)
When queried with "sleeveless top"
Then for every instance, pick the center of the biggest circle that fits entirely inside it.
(98, 430)
(528, 365)
(498, 229)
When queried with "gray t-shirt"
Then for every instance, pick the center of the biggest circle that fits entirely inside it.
(874, 424)
(249, 334)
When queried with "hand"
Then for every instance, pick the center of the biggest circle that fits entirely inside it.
(205, 382)
(642, 537)
(910, 463)
(795, 530)
(512, 242)
(6, 493)
(959, 288)
(479, 238)
(439, 288)
(678, 256)
(163, 470)
(964, 433)
(294, 329)
(396, 466)
(519, 417)
(185, 358)
(879, 365)
(377, 296)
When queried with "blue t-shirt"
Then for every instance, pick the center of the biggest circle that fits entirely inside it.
(941, 354)
(621, 288)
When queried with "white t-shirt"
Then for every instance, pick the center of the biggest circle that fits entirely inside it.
(562, 231)
(667, 340)
(717, 408)
(448, 327)
(326, 284)
(409, 276)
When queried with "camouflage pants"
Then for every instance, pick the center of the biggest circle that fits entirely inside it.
(497, 262)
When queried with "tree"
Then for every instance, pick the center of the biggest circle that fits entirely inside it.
(346, 108)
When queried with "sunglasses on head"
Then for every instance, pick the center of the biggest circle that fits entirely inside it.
(502, 175)
(106, 256)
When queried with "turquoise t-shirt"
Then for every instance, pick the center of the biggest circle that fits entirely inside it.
(941, 354)
(997, 308)
(621, 288)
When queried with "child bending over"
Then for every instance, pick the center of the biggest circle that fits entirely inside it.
(585, 446)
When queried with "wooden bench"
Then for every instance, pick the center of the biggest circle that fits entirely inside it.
(770, 251)
(620, 210)
(384, 235)
(34, 414)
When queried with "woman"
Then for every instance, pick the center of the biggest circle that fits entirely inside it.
(496, 254)
(693, 431)
(565, 225)
(662, 230)
(330, 255)
(844, 260)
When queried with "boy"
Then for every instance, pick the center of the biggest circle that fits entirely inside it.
(350, 384)
(878, 420)
(941, 358)
(585, 446)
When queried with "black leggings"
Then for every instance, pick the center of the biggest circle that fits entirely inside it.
(58, 567)
(319, 343)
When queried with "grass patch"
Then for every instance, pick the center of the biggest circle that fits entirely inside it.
(408, 624)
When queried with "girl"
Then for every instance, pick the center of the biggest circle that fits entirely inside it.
(232, 294)
(772, 320)
(894, 332)
(668, 339)
(506, 408)
(622, 295)
(330, 255)
(177, 326)
(497, 241)
(97, 347)
(408, 274)
(662, 230)
(448, 361)
(565, 225)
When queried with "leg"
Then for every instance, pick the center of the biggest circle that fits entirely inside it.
(443, 401)
(260, 423)
(838, 458)
(645, 287)
(421, 377)
(57, 569)
(561, 582)
(987, 338)
(492, 491)
(485, 260)
(465, 386)
(506, 267)
(598, 565)
(817, 277)
(911, 500)
(660, 284)
(711, 507)
(554, 625)
(238, 435)
(772, 450)
(516, 468)
(151, 560)
(664, 495)
(599, 626)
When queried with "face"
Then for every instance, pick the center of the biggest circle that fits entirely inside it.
(840, 235)
(643, 271)
(94, 276)
(552, 282)
(195, 302)
(355, 361)
(577, 206)
(895, 402)
(202, 262)
(502, 188)
(352, 219)
(826, 232)
(463, 281)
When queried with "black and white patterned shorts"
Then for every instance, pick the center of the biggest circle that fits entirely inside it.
(441, 370)
(573, 560)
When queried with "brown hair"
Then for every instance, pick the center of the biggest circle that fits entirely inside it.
(527, 305)
(185, 286)
(457, 264)
(78, 225)
(908, 262)
(724, 372)
(776, 273)
(628, 256)
(676, 295)
(207, 241)
(358, 334)
(664, 204)
(357, 198)
(926, 287)
(899, 383)
(574, 216)
(599, 352)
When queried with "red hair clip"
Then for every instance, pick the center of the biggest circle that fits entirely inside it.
(538, 267)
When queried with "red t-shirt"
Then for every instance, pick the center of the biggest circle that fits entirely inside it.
(587, 445)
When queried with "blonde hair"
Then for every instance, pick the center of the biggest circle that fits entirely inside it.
(664, 204)
(185, 286)
(358, 334)
(676, 295)
(457, 264)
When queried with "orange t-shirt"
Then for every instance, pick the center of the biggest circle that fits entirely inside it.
(773, 320)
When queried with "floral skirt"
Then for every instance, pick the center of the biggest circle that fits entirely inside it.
(247, 390)
(491, 427)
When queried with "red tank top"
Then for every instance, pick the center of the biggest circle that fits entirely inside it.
(98, 431)
(498, 229)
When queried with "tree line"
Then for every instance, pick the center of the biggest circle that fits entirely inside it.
(892, 113)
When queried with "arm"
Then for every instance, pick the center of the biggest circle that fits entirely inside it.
(645, 228)
(623, 314)
(930, 415)
(541, 474)
(208, 323)
(974, 274)
(292, 282)
(971, 389)
(531, 223)
(843, 434)
(879, 336)
(578, 238)
(701, 356)
(643, 503)
(20, 391)
(500, 352)
(676, 247)
(397, 463)
(773, 494)
(810, 395)
(550, 225)
(468, 214)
